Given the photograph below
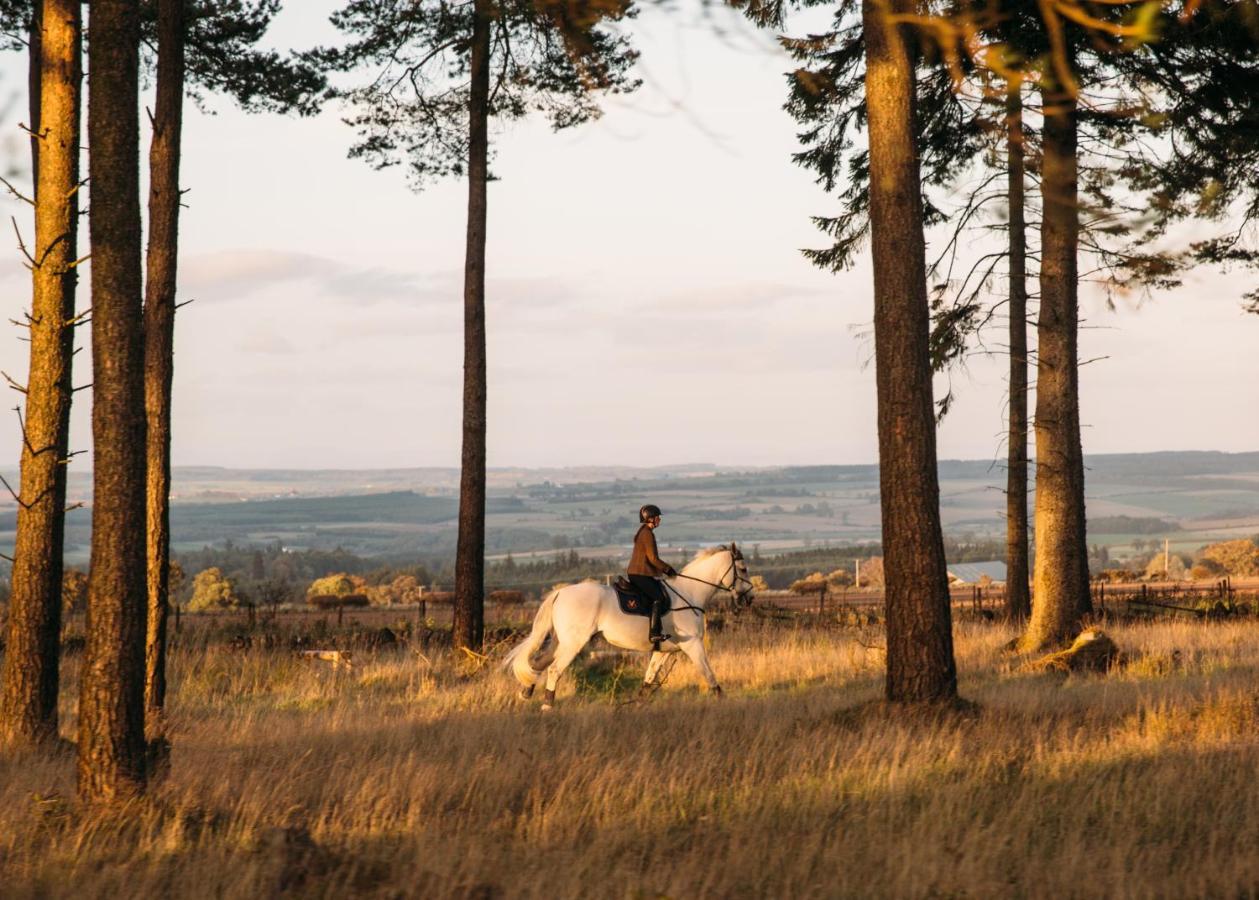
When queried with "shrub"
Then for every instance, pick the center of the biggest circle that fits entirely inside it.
(1239, 557)
(210, 590)
(809, 584)
(506, 597)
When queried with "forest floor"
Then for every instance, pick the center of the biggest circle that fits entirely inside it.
(422, 775)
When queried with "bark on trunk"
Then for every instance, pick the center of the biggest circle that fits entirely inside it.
(34, 85)
(920, 665)
(469, 613)
(1017, 602)
(111, 704)
(1061, 566)
(159, 340)
(28, 701)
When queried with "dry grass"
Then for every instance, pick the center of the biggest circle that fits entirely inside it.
(404, 778)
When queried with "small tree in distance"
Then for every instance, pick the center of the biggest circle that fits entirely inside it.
(211, 590)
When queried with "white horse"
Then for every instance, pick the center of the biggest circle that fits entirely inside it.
(570, 616)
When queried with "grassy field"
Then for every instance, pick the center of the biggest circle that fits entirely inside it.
(424, 776)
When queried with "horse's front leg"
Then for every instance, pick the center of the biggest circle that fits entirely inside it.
(695, 652)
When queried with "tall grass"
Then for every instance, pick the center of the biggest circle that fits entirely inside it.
(416, 776)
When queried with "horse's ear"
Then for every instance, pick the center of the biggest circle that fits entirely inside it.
(734, 551)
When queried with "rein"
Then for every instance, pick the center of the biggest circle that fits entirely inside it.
(720, 585)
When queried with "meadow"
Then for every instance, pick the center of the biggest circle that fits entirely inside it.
(420, 774)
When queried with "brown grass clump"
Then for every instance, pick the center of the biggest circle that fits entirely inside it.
(415, 775)
(1091, 651)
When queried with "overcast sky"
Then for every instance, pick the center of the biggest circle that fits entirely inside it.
(647, 301)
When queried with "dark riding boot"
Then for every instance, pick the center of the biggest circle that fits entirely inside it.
(656, 635)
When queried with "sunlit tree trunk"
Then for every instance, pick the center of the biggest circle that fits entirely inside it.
(1061, 566)
(1017, 603)
(469, 613)
(28, 700)
(920, 665)
(111, 702)
(159, 339)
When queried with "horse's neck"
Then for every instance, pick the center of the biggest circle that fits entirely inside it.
(707, 569)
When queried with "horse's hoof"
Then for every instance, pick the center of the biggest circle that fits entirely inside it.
(526, 692)
(717, 692)
(546, 707)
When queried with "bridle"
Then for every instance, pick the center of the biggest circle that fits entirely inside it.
(742, 597)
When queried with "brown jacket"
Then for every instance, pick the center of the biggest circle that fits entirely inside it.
(646, 560)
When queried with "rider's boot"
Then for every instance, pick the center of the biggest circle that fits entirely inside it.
(656, 635)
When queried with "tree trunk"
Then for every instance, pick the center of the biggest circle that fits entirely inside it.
(1061, 566)
(111, 704)
(920, 665)
(34, 84)
(159, 339)
(28, 703)
(469, 613)
(1018, 604)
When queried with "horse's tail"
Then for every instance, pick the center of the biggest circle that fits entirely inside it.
(529, 659)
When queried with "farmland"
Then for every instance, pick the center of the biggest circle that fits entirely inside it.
(411, 512)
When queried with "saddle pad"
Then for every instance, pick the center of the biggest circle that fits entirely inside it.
(632, 603)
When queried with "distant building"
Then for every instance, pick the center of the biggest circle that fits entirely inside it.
(973, 573)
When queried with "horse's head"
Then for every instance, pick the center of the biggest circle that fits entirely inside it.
(739, 583)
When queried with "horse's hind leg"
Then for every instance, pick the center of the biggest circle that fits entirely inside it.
(563, 659)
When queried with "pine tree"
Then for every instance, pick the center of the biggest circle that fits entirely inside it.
(28, 697)
(202, 47)
(440, 73)
(111, 699)
(920, 666)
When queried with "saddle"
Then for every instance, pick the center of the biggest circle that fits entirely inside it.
(632, 602)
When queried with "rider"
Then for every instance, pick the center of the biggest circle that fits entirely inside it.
(646, 567)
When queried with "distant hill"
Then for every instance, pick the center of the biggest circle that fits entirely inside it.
(1191, 496)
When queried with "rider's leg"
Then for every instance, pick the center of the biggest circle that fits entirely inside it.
(659, 606)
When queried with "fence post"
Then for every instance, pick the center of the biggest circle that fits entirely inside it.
(821, 599)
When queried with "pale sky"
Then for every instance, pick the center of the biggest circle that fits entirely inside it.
(648, 303)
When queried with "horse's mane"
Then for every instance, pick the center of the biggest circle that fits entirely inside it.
(709, 551)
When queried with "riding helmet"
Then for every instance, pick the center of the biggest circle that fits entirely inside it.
(650, 511)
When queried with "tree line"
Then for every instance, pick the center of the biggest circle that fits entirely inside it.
(1126, 118)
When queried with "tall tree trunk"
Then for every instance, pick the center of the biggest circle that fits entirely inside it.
(34, 84)
(1018, 604)
(1061, 566)
(28, 702)
(111, 703)
(469, 621)
(159, 339)
(920, 665)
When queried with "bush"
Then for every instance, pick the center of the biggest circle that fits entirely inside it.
(809, 584)
(337, 585)
(210, 590)
(1239, 557)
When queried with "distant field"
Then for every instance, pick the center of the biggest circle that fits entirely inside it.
(411, 512)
